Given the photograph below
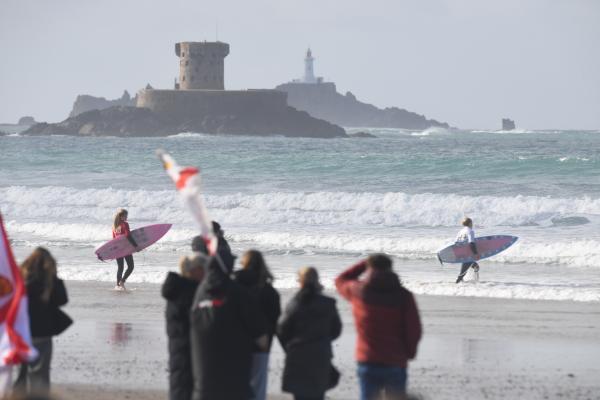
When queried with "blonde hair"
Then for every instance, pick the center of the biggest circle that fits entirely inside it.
(117, 220)
(309, 278)
(40, 266)
(467, 221)
(188, 264)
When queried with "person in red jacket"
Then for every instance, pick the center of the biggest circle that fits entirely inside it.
(121, 228)
(387, 324)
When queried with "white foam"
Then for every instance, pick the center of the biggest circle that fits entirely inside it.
(573, 253)
(85, 234)
(575, 159)
(410, 226)
(505, 290)
(434, 130)
(317, 208)
(436, 284)
(509, 132)
(184, 135)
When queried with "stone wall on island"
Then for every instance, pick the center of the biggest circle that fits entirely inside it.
(183, 104)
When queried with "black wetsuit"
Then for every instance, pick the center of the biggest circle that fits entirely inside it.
(129, 260)
(465, 266)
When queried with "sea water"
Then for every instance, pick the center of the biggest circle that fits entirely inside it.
(326, 203)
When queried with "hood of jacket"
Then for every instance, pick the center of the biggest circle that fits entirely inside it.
(176, 287)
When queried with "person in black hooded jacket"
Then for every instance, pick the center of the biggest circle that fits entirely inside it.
(308, 326)
(257, 278)
(226, 323)
(46, 293)
(223, 248)
(179, 292)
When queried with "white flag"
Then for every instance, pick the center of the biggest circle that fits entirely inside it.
(188, 183)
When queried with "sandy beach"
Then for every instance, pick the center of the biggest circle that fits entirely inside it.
(473, 348)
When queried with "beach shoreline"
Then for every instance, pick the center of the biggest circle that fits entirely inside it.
(472, 347)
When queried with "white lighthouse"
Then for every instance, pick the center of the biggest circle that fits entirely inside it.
(309, 74)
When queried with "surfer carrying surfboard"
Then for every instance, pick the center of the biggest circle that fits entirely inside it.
(121, 228)
(467, 235)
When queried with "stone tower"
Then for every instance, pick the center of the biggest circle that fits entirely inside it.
(201, 65)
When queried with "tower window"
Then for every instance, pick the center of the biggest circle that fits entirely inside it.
(183, 54)
(186, 62)
(183, 79)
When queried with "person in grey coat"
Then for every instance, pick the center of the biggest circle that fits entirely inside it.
(308, 326)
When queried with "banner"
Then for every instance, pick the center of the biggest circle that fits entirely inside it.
(15, 336)
(188, 183)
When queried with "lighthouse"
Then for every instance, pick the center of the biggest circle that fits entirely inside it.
(309, 74)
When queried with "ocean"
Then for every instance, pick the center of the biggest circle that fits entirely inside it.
(325, 203)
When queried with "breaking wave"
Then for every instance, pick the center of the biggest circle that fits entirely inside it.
(343, 209)
(408, 226)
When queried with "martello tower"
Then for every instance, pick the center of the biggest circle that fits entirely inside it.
(201, 65)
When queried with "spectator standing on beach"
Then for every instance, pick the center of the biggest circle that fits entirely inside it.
(121, 228)
(179, 291)
(226, 324)
(308, 326)
(45, 293)
(223, 248)
(467, 235)
(387, 324)
(257, 278)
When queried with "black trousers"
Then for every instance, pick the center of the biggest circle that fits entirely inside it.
(35, 376)
(120, 276)
(464, 268)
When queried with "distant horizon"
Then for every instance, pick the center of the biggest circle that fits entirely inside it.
(455, 61)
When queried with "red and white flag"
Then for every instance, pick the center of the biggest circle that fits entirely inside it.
(188, 183)
(15, 336)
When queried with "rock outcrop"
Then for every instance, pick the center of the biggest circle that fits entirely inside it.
(84, 103)
(321, 100)
(138, 121)
(508, 124)
(26, 121)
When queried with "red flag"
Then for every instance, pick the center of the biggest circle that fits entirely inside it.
(188, 183)
(15, 336)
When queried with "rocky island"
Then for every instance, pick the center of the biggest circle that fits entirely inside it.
(322, 100)
(197, 103)
(141, 121)
(85, 102)
(25, 122)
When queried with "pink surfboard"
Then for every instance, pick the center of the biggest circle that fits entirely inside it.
(487, 246)
(121, 246)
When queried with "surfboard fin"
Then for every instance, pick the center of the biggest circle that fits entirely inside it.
(440, 260)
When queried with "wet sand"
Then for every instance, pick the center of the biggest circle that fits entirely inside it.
(473, 348)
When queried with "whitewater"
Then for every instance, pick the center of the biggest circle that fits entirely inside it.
(325, 203)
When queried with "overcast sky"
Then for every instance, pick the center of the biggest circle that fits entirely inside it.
(465, 62)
